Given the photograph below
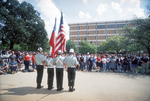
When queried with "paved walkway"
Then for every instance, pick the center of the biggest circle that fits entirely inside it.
(90, 86)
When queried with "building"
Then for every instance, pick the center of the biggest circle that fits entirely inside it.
(97, 32)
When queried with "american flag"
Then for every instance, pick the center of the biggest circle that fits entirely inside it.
(61, 39)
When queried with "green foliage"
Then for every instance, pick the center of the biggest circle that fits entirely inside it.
(87, 47)
(70, 44)
(21, 24)
(114, 43)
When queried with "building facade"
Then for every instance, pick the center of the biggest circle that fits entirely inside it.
(97, 32)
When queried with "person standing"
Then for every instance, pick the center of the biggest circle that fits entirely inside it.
(126, 63)
(19, 60)
(58, 61)
(81, 62)
(104, 63)
(91, 62)
(5, 56)
(134, 64)
(33, 56)
(39, 61)
(27, 61)
(12, 56)
(71, 62)
(113, 63)
(87, 60)
(98, 63)
(50, 70)
(107, 63)
(119, 61)
(144, 61)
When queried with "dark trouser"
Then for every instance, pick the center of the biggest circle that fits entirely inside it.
(50, 72)
(71, 76)
(59, 77)
(90, 67)
(13, 68)
(39, 74)
(26, 65)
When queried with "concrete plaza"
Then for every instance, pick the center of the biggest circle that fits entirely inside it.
(90, 86)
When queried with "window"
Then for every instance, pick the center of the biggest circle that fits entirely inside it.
(111, 26)
(120, 25)
(95, 26)
(77, 33)
(95, 37)
(105, 37)
(70, 28)
(87, 27)
(105, 31)
(114, 31)
(101, 26)
(95, 32)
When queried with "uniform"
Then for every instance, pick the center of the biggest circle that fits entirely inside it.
(50, 71)
(71, 62)
(39, 58)
(59, 71)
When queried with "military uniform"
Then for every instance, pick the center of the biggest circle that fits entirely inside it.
(59, 71)
(39, 58)
(50, 71)
(71, 63)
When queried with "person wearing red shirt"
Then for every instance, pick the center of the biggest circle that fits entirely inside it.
(27, 60)
(98, 62)
(33, 66)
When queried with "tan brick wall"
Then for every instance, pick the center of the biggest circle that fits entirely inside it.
(82, 27)
(82, 32)
(101, 32)
(91, 37)
(101, 37)
(131, 25)
(91, 27)
(110, 31)
(82, 37)
(74, 28)
(73, 33)
(91, 32)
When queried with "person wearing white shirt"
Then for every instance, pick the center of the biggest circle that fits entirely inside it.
(104, 63)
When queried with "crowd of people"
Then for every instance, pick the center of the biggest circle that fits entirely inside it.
(16, 60)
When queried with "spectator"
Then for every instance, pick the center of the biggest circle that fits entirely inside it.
(134, 64)
(144, 61)
(104, 63)
(27, 60)
(107, 63)
(12, 56)
(119, 61)
(3, 67)
(130, 62)
(125, 63)
(33, 66)
(91, 62)
(113, 63)
(98, 63)
(81, 62)
(19, 60)
(13, 66)
(5, 56)
(87, 62)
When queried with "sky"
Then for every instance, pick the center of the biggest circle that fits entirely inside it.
(83, 11)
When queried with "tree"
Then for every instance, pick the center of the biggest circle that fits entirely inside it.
(141, 34)
(87, 47)
(114, 43)
(22, 25)
(70, 44)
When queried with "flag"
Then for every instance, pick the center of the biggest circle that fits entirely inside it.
(52, 41)
(61, 39)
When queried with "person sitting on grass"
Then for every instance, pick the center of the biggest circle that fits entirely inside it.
(13, 66)
(3, 67)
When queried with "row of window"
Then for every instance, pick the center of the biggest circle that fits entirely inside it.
(96, 32)
(96, 43)
(96, 37)
(103, 26)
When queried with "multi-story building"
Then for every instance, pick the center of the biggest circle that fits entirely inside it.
(97, 32)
